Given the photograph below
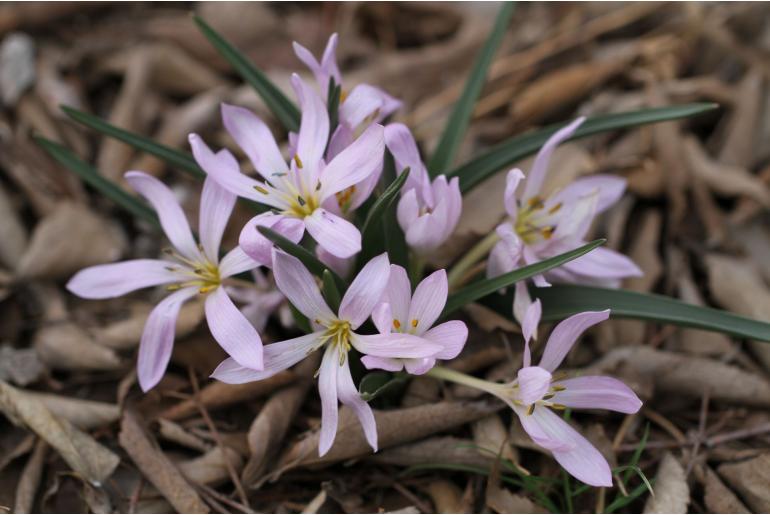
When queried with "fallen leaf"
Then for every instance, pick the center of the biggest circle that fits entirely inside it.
(750, 479)
(12, 232)
(29, 482)
(19, 366)
(83, 414)
(211, 468)
(672, 495)
(491, 437)
(65, 346)
(438, 449)
(446, 496)
(718, 498)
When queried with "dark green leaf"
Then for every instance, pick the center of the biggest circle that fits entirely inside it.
(382, 203)
(330, 292)
(508, 152)
(283, 108)
(303, 324)
(484, 287)
(374, 384)
(333, 104)
(109, 189)
(454, 131)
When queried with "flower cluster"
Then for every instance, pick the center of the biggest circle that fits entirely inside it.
(316, 187)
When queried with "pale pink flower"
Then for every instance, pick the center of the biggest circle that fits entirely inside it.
(190, 269)
(541, 226)
(428, 211)
(258, 302)
(335, 332)
(400, 312)
(301, 191)
(536, 391)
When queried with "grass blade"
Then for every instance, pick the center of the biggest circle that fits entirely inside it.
(382, 203)
(283, 108)
(329, 290)
(463, 109)
(484, 287)
(90, 176)
(508, 152)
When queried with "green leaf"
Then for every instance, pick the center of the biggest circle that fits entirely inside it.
(329, 290)
(333, 105)
(454, 131)
(484, 287)
(283, 108)
(383, 202)
(374, 384)
(562, 301)
(508, 152)
(303, 324)
(106, 187)
(312, 263)
(175, 158)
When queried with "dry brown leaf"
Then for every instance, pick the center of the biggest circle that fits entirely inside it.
(83, 414)
(672, 495)
(740, 143)
(211, 468)
(718, 498)
(750, 479)
(175, 433)
(156, 467)
(29, 481)
(489, 320)
(446, 496)
(66, 346)
(56, 251)
(12, 232)
(421, 390)
(85, 455)
(444, 449)
(19, 366)
(503, 500)
(491, 437)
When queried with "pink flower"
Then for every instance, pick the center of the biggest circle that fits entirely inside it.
(427, 212)
(191, 269)
(337, 334)
(301, 191)
(402, 313)
(536, 391)
(258, 302)
(541, 227)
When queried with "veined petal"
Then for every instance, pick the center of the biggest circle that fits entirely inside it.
(512, 181)
(531, 320)
(408, 209)
(534, 383)
(277, 357)
(564, 336)
(236, 262)
(349, 396)
(257, 246)
(300, 287)
(341, 266)
(362, 103)
(255, 139)
(389, 364)
(540, 167)
(216, 206)
(327, 388)
(335, 234)
(329, 60)
(170, 213)
(576, 219)
(610, 189)
(232, 331)
(157, 339)
(420, 366)
(597, 392)
(116, 279)
(399, 294)
(354, 164)
(428, 301)
(314, 127)
(400, 142)
(365, 292)
(324, 70)
(451, 336)
(382, 316)
(604, 263)
(394, 345)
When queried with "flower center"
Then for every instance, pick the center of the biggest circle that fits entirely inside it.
(203, 274)
(533, 221)
(301, 206)
(344, 198)
(338, 334)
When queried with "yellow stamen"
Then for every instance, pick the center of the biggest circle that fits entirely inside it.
(396, 323)
(555, 208)
(298, 160)
(414, 322)
(261, 190)
(531, 409)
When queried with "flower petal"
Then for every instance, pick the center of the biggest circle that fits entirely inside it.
(257, 246)
(451, 336)
(236, 262)
(366, 290)
(609, 187)
(327, 388)
(277, 357)
(157, 340)
(255, 139)
(597, 392)
(314, 126)
(116, 279)
(418, 367)
(512, 181)
(394, 345)
(354, 164)
(215, 208)
(170, 213)
(362, 103)
(399, 294)
(531, 320)
(324, 70)
(335, 234)
(540, 167)
(534, 383)
(382, 316)
(428, 301)
(389, 364)
(565, 334)
(300, 287)
(232, 331)
(604, 263)
(349, 396)
(400, 142)
(342, 266)
(408, 209)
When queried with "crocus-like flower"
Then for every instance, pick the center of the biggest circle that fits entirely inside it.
(537, 391)
(190, 270)
(402, 313)
(337, 334)
(300, 190)
(427, 212)
(258, 302)
(542, 227)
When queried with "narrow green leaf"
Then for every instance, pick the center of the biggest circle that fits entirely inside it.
(312, 263)
(374, 384)
(454, 131)
(283, 108)
(508, 152)
(382, 203)
(329, 290)
(303, 324)
(175, 158)
(333, 104)
(484, 287)
(561, 301)
(88, 174)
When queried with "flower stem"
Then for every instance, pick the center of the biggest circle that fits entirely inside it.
(475, 254)
(447, 374)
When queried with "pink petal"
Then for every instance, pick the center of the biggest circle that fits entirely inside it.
(342, 266)
(257, 246)
(382, 316)
(116, 279)
(531, 320)
(609, 187)
(329, 60)
(365, 292)
(424, 235)
(236, 262)
(418, 367)
(300, 287)
(354, 164)
(157, 339)
(389, 364)
(324, 70)
(564, 336)
(277, 358)
(604, 263)
(314, 127)
(232, 331)
(428, 301)
(576, 219)
(506, 254)
(401, 144)
(512, 181)
(534, 383)
(394, 345)
(408, 209)
(216, 206)
(451, 336)
(327, 388)
(255, 139)
(349, 396)
(335, 234)
(399, 294)
(539, 168)
(361, 104)
(341, 138)
(170, 213)
(597, 392)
